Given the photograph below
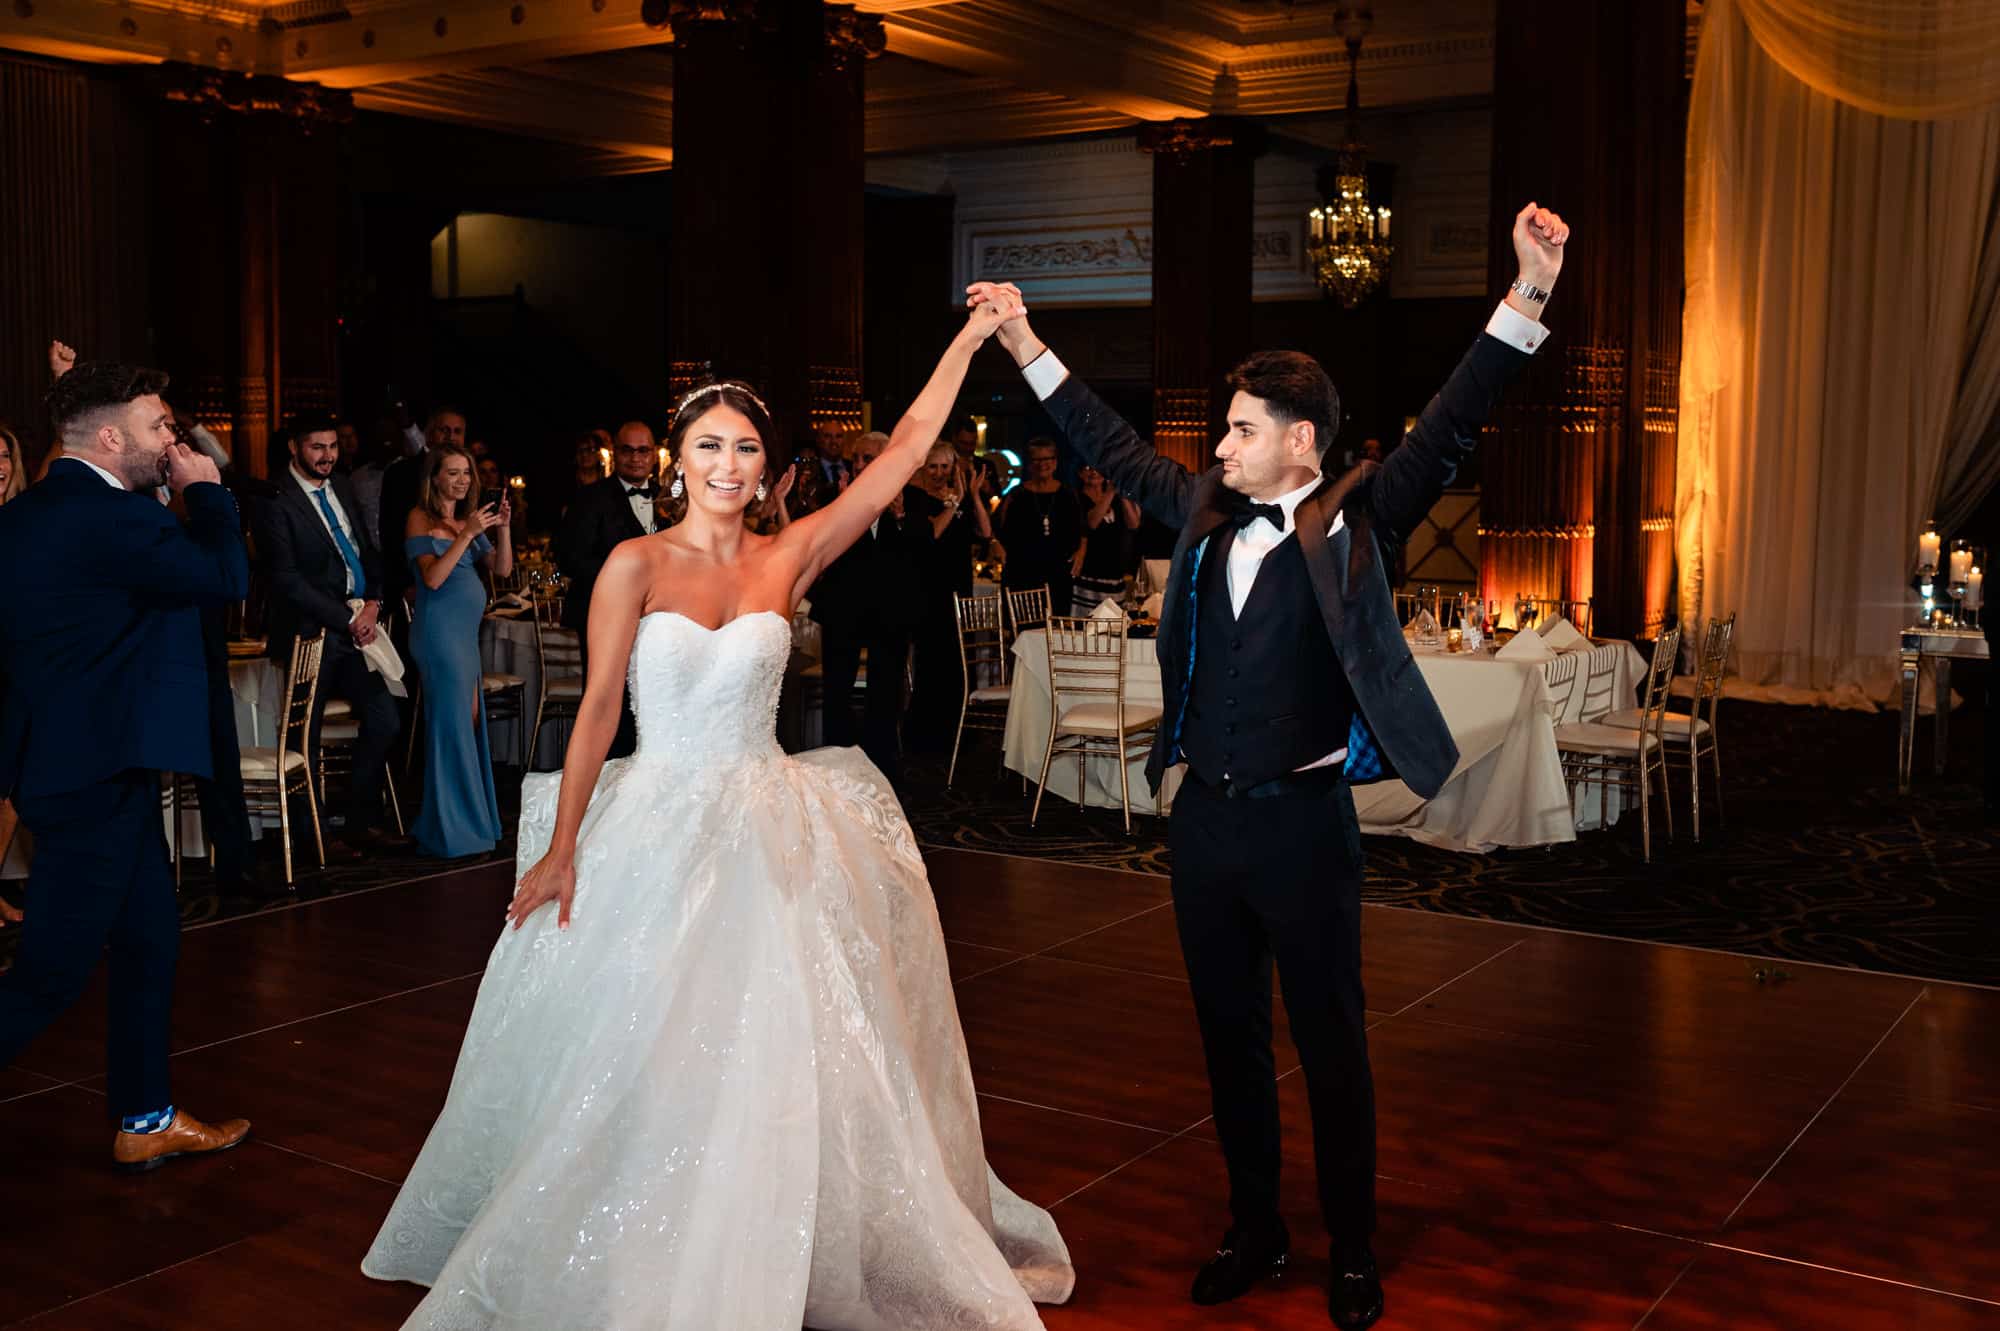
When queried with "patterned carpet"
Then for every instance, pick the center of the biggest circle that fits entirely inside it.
(1820, 860)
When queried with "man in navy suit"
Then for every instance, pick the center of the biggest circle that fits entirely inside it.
(1285, 680)
(103, 686)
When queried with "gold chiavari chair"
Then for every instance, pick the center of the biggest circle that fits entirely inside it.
(1087, 660)
(271, 776)
(1582, 615)
(1026, 610)
(1691, 737)
(1597, 753)
(982, 652)
(559, 654)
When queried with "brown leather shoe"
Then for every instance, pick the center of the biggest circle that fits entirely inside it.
(136, 1152)
(339, 852)
(378, 839)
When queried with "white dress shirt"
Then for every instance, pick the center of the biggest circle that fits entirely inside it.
(109, 478)
(312, 488)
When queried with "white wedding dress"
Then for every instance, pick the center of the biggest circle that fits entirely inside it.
(733, 1095)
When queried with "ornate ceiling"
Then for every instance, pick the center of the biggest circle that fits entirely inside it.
(958, 73)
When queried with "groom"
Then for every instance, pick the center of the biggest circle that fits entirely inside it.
(1285, 680)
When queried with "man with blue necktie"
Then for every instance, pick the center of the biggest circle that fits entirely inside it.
(103, 687)
(318, 556)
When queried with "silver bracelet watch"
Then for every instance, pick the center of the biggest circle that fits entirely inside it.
(1529, 291)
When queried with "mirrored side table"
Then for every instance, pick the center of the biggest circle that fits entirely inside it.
(1939, 646)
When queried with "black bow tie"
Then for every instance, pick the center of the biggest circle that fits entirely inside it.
(647, 490)
(1249, 513)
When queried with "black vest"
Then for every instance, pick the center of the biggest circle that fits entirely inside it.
(1268, 694)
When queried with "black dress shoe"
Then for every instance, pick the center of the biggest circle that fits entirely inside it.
(1354, 1298)
(1244, 1258)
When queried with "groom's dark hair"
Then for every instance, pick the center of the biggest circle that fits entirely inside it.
(1293, 386)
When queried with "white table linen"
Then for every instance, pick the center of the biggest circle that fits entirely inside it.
(1507, 790)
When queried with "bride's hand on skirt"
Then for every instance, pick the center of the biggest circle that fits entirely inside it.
(552, 879)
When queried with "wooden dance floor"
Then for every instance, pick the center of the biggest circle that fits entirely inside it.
(1575, 1132)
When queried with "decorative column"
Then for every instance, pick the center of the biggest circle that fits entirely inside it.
(767, 234)
(1203, 196)
(1577, 475)
(245, 273)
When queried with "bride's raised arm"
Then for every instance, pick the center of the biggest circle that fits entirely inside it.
(823, 535)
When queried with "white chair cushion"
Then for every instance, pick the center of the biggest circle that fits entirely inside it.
(337, 707)
(1101, 718)
(262, 761)
(565, 686)
(1674, 726)
(1596, 737)
(996, 693)
(494, 681)
(340, 732)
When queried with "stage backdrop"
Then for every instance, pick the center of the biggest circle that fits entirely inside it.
(1841, 339)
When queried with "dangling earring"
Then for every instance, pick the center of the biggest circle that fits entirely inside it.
(677, 489)
(761, 491)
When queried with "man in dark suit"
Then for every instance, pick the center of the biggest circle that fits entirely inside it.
(105, 689)
(318, 557)
(621, 507)
(1301, 685)
(868, 598)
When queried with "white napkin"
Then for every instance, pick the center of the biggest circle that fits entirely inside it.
(382, 658)
(1527, 647)
(1108, 609)
(1562, 635)
(1153, 604)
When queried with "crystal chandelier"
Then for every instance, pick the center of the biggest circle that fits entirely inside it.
(1347, 238)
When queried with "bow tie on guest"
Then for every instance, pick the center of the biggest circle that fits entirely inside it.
(649, 490)
(1249, 513)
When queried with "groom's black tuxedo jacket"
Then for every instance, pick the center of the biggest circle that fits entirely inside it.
(1397, 728)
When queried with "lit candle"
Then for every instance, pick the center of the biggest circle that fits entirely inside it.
(1975, 588)
(604, 460)
(1927, 549)
(1385, 223)
(661, 469)
(517, 482)
(1961, 564)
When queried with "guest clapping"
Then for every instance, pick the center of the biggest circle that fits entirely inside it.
(446, 541)
(1041, 529)
(320, 562)
(1111, 528)
(949, 508)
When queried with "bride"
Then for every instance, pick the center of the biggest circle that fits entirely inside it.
(714, 1079)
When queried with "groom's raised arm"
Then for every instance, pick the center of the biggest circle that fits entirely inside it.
(1415, 474)
(1099, 435)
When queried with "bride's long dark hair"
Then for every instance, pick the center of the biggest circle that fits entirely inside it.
(725, 392)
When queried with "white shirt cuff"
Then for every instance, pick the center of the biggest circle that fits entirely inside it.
(1044, 374)
(1516, 329)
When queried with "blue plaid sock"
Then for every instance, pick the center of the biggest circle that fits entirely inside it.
(157, 1121)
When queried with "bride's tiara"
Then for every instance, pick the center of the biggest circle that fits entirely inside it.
(716, 386)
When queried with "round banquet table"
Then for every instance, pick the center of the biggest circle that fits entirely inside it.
(1507, 790)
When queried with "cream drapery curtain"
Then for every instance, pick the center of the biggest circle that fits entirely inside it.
(1840, 358)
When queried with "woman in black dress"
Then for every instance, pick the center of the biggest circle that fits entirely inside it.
(1111, 528)
(949, 501)
(1041, 530)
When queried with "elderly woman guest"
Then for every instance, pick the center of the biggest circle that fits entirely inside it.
(447, 545)
(1041, 530)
